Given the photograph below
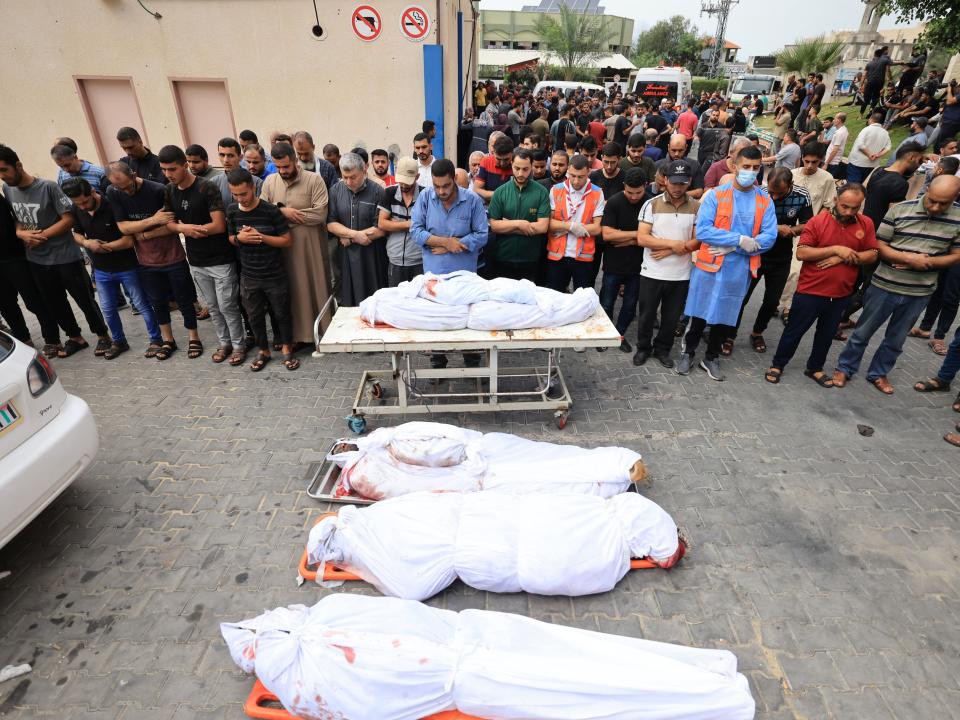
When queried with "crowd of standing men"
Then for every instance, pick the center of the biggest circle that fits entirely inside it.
(680, 209)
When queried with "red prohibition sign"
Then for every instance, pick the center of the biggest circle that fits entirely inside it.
(414, 22)
(367, 23)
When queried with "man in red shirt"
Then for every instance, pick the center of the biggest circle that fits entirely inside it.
(598, 131)
(832, 247)
(687, 124)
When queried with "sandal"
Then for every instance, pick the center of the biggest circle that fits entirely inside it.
(239, 355)
(260, 363)
(221, 353)
(953, 439)
(116, 350)
(882, 385)
(819, 377)
(840, 379)
(727, 348)
(194, 349)
(290, 362)
(773, 375)
(103, 344)
(166, 349)
(784, 316)
(51, 351)
(849, 325)
(277, 347)
(918, 333)
(151, 350)
(931, 385)
(956, 403)
(758, 343)
(71, 347)
(840, 335)
(938, 346)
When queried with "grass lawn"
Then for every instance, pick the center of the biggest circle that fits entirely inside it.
(854, 124)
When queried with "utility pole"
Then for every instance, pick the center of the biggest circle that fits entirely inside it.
(720, 8)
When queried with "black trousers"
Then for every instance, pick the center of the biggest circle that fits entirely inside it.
(561, 272)
(718, 333)
(162, 283)
(55, 282)
(397, 274)
(871, 96)
(669, 296)
(774, 274)
(262, 296)
(16, 280)
(804, 312)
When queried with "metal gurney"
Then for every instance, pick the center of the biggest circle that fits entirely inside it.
(496, 386)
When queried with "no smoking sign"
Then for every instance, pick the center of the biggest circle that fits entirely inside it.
(414, 23)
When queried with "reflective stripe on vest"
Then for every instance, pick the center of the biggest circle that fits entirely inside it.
(724, 221)
(557, 242)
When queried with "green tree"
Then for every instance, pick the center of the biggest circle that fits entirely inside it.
(942, 18)
(573, 39)
(675, 41)
(813, 56)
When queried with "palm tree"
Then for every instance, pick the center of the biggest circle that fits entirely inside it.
(813, 56)
(573, 39)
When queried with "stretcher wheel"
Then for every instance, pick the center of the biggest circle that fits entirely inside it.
(561, 419)
(357, 424)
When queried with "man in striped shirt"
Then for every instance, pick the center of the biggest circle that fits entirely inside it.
(917, 238)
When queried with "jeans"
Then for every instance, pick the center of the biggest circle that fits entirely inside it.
(718, 333)
(220, 289)
(864, 278)
(943, 304)
(259, 296)
(397, 274)
(879, 306)
(807, 310)
(15, 279)
(162, 282)
(54, 282)
(951, 363)
(856, 174)
(774, 273)
(631, 293)
(561, 272)
(108, 288)
(669, 296)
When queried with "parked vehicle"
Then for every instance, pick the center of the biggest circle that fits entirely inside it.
(48, 437)
(565, 86)
(653, 84)
(739, 87)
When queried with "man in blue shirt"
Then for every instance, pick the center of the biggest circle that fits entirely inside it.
(449, 223)
(73, 167)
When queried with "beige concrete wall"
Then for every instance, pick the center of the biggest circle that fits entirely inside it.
(340, 89)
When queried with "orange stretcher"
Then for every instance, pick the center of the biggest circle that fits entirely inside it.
(330, 572)
(263, 705)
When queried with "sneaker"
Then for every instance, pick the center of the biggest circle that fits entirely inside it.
(640, 357)
(625, 347)
(579, 349)
(665, 360)
(684, 365)
(712, 368)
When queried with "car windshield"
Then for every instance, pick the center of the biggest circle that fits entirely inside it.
(752, 85)
(6, 346)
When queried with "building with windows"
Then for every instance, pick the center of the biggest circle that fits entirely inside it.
(516, 29)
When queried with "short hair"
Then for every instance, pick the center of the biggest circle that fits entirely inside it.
(851, 187)
(249, 136)
(589, 144)
(283, 138)
(197, 150)
(239, 176)
(949, 164)
(650, 134)
(907, 148)
(561, 152)
(428, 125)
(256, 148)
(635, 177)
(303, 135)
(76, 187)
(535, 138)
(481, 153)
(330, 149)
(502, 146)
(443, 168)
(351, 161)
(814, 148)
(944, 142)
(571, 141)
(421, 137)
(579, 162)
(127, 133)
(281, 150)
(120, 166)
(612, 149)
(751, 153)
(877, 117)
(69, 142)
(62, 152)
(229, 142)
(791, 133)
(362, 153)
(379, 152)
(780, 176)
(171, 154)
(637, 140)
(539, 155)
(523, 154)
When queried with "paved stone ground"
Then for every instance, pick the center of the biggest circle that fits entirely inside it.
(827, 561)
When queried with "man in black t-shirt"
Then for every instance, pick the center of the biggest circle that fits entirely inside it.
(114, 262)
(197, 206)
(260, 231)
(622, 256)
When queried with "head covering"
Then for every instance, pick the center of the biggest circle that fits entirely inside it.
(406, 171)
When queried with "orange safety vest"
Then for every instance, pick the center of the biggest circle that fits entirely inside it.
(557, 241)
(724, 221)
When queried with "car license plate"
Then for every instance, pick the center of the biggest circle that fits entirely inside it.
(8, 416)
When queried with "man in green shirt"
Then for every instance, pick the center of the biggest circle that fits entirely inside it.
(520, 214)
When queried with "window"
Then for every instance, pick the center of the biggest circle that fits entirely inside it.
(204, 112)
(109, 104)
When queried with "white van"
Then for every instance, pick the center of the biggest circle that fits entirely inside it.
(565, 86)
(653, 84)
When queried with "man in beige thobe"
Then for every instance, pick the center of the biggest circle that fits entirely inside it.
(302, 198)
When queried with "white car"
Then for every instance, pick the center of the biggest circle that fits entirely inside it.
(47, 436)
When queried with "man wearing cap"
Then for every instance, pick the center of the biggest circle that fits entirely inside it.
(396, 207)
(735, 224)
(666, 234)
(677, 150)
(519, 214)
